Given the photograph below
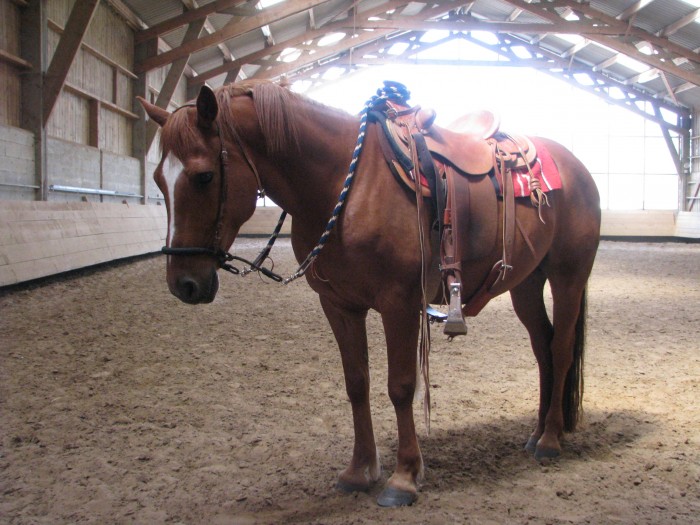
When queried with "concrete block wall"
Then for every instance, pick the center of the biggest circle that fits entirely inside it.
(121, 174)
(71, 164)
(80, 166)
(16, 164)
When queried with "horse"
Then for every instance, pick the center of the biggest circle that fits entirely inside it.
(219, 152)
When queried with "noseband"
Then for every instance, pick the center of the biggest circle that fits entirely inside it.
(222, 257)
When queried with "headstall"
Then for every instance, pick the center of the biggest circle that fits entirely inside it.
(224, 258)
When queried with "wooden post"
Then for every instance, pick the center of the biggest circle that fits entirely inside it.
(177, 68)
(57, 72)
(33, 37)
(138, 137)
(94, 107)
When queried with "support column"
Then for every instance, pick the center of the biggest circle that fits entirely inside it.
(34, 44)
(138, 139)
(177, 68)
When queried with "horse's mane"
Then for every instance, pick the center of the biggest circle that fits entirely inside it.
(277, 109)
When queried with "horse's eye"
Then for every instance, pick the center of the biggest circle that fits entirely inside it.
(205, 177)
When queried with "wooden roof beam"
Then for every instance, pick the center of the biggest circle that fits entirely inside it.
(230, 30)
(348, 44)
(209, 28)
(57, 72)
(172, 79)
(617, 45)
(633, 9)
(493, 27)
(586, 9)
(185, 18)
(291, 42)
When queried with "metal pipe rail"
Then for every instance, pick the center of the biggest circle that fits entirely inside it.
(91, 191)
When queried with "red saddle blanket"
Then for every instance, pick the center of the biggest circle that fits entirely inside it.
(544, 169)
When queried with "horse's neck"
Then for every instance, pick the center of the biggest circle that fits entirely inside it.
(306, 181)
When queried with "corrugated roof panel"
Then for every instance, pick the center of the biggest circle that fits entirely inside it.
(155, 12)
(688, 37)
(659, 14)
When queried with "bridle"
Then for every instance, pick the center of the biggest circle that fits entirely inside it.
(222, 257)
(390, 91)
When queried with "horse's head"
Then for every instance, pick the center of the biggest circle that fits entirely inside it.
(209, 193)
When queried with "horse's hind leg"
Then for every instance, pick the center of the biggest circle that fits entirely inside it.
(559, 353)
(349, 328)
(528, 303)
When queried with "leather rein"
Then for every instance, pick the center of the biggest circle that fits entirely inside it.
(223, 257)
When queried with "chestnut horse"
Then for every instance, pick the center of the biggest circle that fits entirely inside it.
(219, 152)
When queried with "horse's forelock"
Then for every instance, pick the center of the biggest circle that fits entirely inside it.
(179, 134)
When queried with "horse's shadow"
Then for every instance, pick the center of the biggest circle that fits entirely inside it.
(496, 450)
(492, 451)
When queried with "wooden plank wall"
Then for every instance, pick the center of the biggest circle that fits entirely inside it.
(101, 71)
(10, 84)
(38, 239)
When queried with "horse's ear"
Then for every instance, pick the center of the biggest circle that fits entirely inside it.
(157, 114)
(207, 107)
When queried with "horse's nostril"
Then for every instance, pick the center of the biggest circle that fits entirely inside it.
(189, 290)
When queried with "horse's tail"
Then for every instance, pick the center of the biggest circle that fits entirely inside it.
(573, 388)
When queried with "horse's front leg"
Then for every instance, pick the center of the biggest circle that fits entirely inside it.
(401, 327)
(349, 328)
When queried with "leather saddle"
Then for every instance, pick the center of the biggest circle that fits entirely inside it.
(463, 164)
(469, 142)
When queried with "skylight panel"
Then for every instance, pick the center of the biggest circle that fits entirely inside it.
(268, 3)
(633, 64)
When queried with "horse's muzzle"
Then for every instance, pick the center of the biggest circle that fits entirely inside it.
(191, 290)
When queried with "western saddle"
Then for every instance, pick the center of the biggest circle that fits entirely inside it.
(472, 156)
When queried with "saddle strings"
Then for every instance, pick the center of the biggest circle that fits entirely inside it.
(424, 329)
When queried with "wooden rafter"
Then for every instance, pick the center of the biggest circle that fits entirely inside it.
(619, 45)
(679, 24)
(209, 28)
(633, 9)
(57, 72)
(230, 30)
(357, 40)
(185, 18)
(587, 10)
(172, 79)
(291, 42)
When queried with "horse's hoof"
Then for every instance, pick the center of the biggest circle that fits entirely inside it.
(393, 497)
(544, 454)
(347, 487)
(531, 445)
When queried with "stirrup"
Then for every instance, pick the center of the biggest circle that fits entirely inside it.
(455, 324)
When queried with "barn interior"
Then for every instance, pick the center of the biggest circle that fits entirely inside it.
(77, 153)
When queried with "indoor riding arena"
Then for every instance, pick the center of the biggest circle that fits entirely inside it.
(122, 403)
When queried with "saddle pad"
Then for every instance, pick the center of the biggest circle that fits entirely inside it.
(544, 169)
